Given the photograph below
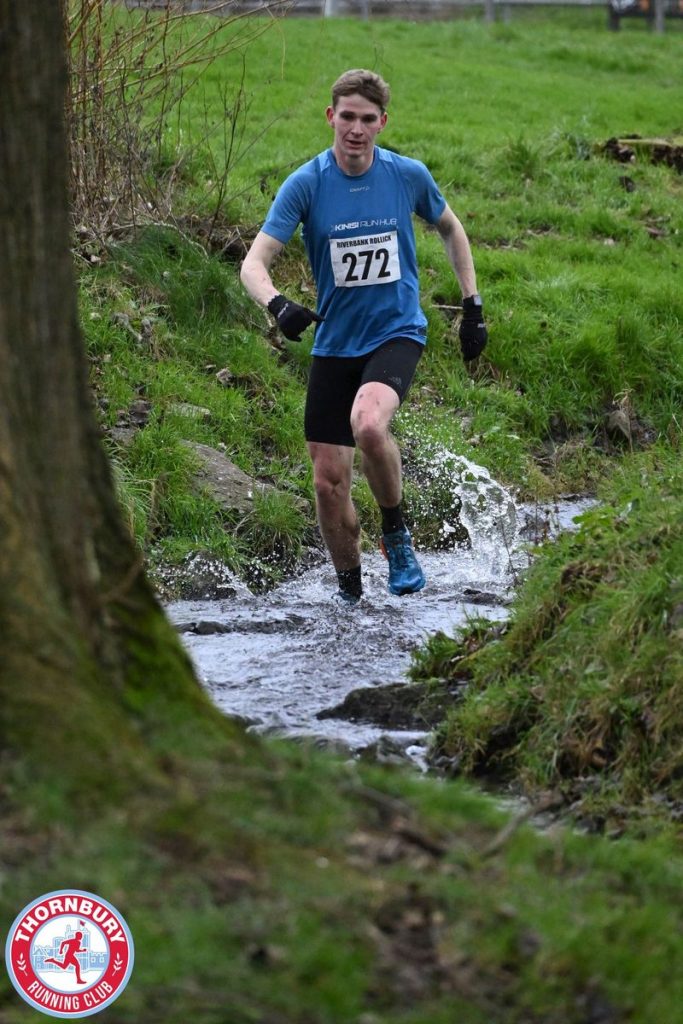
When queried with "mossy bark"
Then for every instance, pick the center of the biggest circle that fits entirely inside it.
(86, 653)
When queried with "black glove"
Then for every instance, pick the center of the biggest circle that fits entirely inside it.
(473, 334)
(292, 318)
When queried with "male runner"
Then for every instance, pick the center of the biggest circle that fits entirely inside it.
(355, 202)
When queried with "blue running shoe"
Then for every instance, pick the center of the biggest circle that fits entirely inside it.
(405, 574)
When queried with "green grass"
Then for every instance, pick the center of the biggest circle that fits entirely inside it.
(162, 319)
(529, 85)
(278, 885)
(560, 245)
(580, 277)
(581, 280)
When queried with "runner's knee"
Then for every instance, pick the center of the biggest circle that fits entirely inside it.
(332, 485)
(369, 432)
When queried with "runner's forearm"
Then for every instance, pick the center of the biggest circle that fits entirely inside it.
(458, 250)
(255, 273)
(257, 280)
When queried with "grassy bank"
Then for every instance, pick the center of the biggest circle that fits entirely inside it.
(279, 886)
(582, 691)
(162, 319)
(578, 267)
(578, 261)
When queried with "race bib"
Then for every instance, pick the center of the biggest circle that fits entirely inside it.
(365, 259)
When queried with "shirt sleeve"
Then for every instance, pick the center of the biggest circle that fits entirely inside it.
(288, 210)
(429, 202)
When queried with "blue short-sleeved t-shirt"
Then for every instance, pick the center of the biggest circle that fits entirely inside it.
(358, 233)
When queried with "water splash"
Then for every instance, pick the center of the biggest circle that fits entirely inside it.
(454, 502)
(199, 574)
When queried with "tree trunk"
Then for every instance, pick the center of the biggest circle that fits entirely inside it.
(83, 641)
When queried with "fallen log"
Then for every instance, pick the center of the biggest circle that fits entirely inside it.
(629, 148)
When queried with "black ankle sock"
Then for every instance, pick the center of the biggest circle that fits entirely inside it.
(350, 582)
(392, 518)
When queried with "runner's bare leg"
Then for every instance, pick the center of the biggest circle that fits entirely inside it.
(371, 414)
(332, 475)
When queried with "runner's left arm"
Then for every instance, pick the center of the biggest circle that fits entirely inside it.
(458, 250)
(472, 329)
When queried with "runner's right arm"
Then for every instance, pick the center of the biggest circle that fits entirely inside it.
(255, 273)
(292, 318)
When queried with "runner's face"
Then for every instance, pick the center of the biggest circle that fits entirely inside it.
(356, 121)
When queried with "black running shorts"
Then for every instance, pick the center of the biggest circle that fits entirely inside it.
(334, 382)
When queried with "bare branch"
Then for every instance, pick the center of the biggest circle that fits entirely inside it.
(129, 75)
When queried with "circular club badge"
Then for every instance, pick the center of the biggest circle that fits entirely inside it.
(69, 953)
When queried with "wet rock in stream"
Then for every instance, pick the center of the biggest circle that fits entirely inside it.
(205, 627)
(485, 598)
(391, 750)
(399, 705)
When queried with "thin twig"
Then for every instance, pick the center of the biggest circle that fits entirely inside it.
(549, 802)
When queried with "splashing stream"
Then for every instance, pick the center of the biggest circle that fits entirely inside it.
(275, 660)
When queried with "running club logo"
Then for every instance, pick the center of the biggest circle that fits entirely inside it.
(69, 953)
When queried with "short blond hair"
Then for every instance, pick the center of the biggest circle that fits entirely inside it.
(367, 84)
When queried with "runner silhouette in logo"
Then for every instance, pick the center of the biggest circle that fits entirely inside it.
(73, 946)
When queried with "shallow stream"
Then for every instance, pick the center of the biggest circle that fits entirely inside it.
(275, 660)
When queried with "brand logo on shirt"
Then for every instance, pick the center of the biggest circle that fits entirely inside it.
(360, 188)
(380, 222)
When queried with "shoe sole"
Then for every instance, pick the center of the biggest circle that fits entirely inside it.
(409, 590)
